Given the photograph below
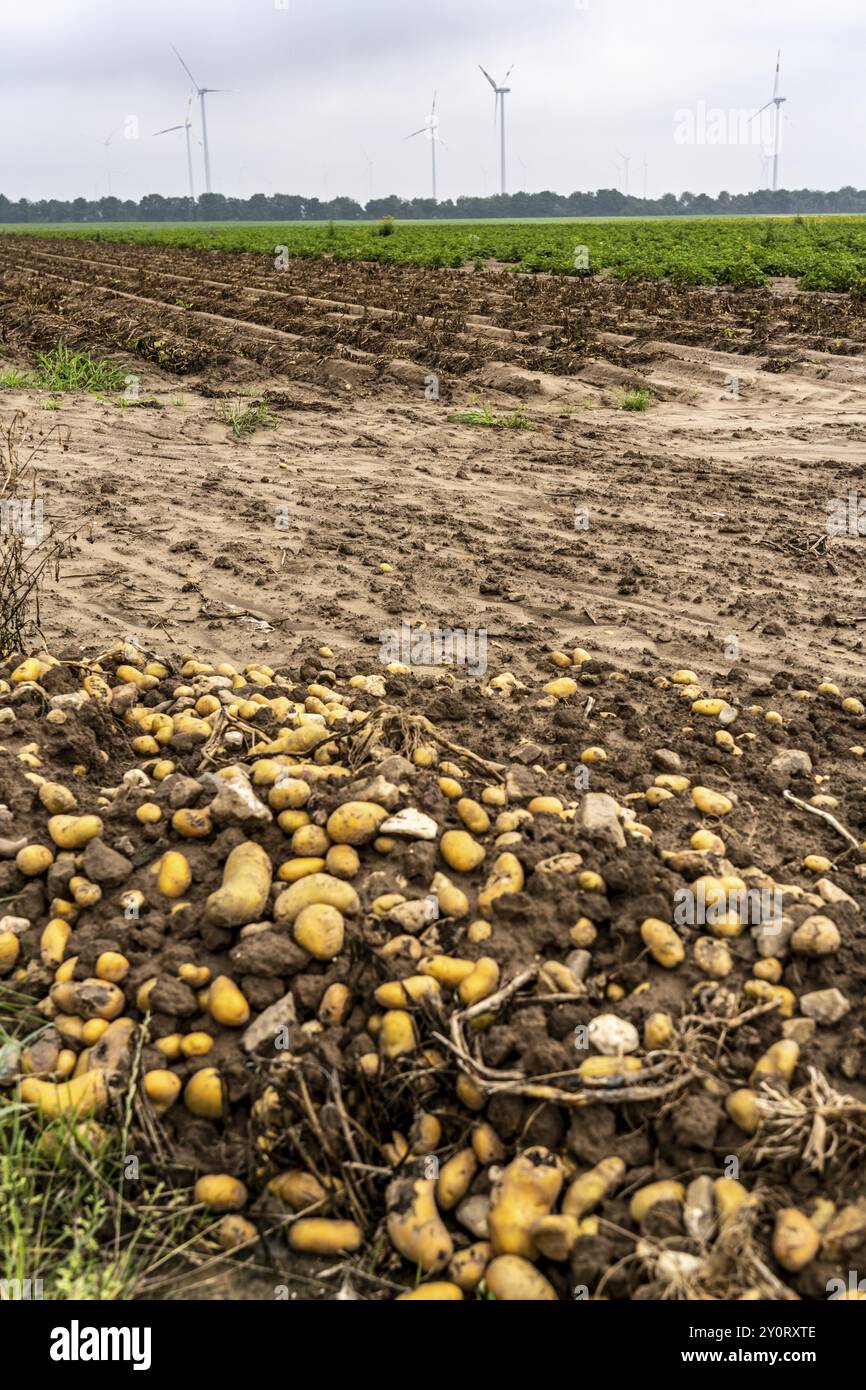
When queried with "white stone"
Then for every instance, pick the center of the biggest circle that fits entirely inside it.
(613, 1036)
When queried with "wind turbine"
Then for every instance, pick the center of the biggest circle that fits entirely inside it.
(202, 93)
(776, 101)
(187, 126)
(499, 95)
(626, 160)
(369, 164)
(644, 167)
(105, 145)
(430, 128)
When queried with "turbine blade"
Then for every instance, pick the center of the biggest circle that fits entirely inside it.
(489, 78)
(169, 128)
(508, 74)
(184, 66)
(776, 83)
(422, 131)
(759, 110)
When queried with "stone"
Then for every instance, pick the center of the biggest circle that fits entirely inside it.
(472, 1214)
(268, 953)
(235, 800)
(412, 823)
(102, 864)
(415, 915)
(830, 892)
(799, 1030)
(597, 819)
(520, 782)
(792, 762)
(824, 1005)
(613, 1036)
(665, 760)
(263, 1029)
(578, 962)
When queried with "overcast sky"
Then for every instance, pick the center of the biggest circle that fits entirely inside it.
(321, 86)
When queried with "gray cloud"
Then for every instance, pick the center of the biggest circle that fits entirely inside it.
(318, 83)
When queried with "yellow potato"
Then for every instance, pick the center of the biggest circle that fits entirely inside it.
(454, 1178)
(227, 1004)
(414, 1225)
(318, 1235)
(33, 860)
(74, 832)
(742, 1106)
(711, 803)
(460, 851)
(85, 1095)
(593, 1186)
(481, 983)
(53, 942)
(355, 822)
(245, 887)
(174, 875)
(663, 944)
(319, 929)
(436, 1291)
(646, 1197)
(162, 1088)
(512, 1279)
(220, 1192)
(525, 1190)
(397, 1035)
(506, 876)
(316, 888)
(204, 1094)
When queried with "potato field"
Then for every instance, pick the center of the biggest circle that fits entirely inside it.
(433, 762)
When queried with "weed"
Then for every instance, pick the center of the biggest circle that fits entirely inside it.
(636, 400)
(245, 419)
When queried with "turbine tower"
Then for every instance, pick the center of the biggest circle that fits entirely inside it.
(202, 92)
(187, 126)
(499, 95)
(430, 128)
(775, 101)
(626, 161)
(105, 145)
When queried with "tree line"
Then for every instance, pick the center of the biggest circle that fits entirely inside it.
(288, 207)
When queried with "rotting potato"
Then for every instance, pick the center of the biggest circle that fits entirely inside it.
(505, 877)
(525, 1190)
(415, 1228)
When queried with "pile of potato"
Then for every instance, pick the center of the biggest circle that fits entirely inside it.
(375, 898)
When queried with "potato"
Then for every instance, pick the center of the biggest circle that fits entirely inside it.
(436, 1291)
(204, 1094)
(460, 851)
(89, 998)
(657, 1031)
(414, 1225)
(319, 930)
(512, 1279)
(334, 1005)
(555, 1236)
(711, 803)
(74, 832)
(730, 1196)
(663, 944)
(28, 670)
(293, 869)
(311, 841)
(593, 1186)
(356, 822)
(454, 1178)
(742, 1106)
(234, 1231)
(174, 875)
(609, 1066)
(506, 876)
(526, 1190)
(245, 887)
(111, 966)
(162, 1088)
(226, 1004)
(85, 1095)
(473, 816)
(297, 1188)
(817, 936)
(481, 983)
(195, 1045)
(319, 1235)
(53, 942)
(467, 1267)
(452, 901)
(289, 793)
(220, 1192)
(486, 1144)
(34, 860)
(780, 1059)
(192, 824)
(562, 688)
(342, 861)
(449, 971)
(646, 1197)
(397, 1035)
(769, 993)
(709, 705)
(316, 888)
